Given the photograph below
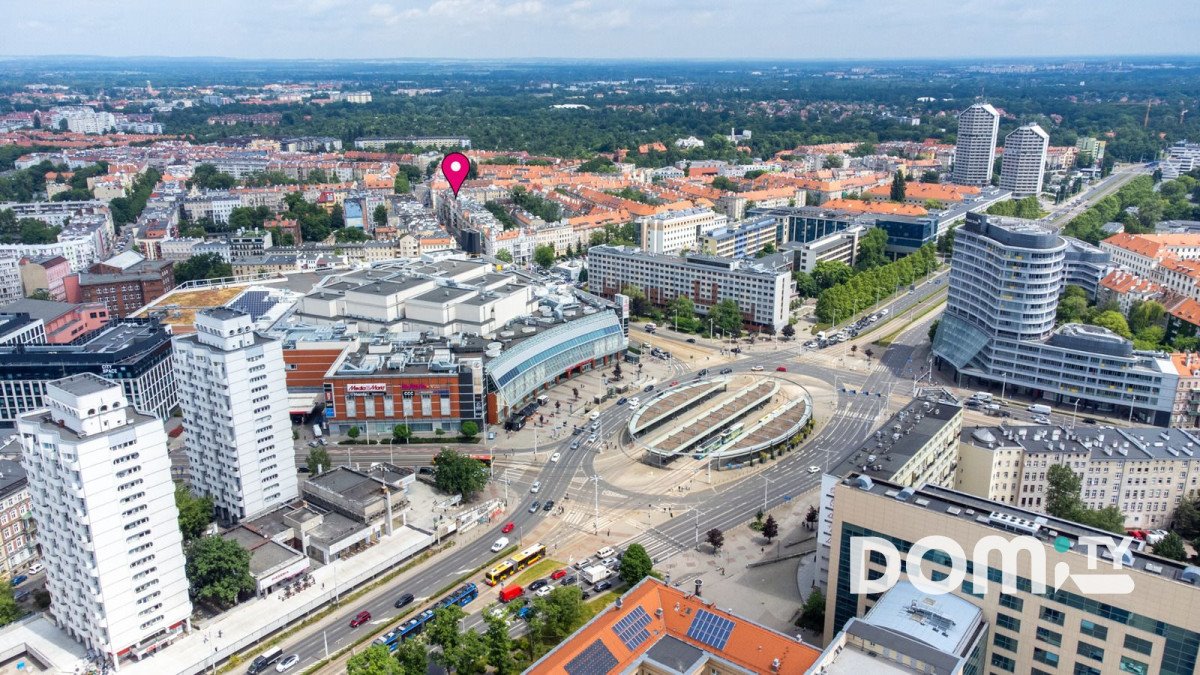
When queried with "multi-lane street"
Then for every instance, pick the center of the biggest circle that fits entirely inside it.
(842, 427)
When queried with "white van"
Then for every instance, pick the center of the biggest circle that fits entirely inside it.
(606, 552)
(982, 397)
(594, 416)
(1039, 409)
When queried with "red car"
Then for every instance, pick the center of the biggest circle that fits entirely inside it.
(1137, 534)
(360, 619)
(781, 369)
(508, 528)
(558, 574)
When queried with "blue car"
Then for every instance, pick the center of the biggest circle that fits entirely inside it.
(19, 579)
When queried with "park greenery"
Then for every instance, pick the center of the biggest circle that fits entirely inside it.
(15, 230)
(845, 298)
(315, 222)
(195, 513)
(1026, 207)
(537, 205)
(218, 570)
(1175, 200)
(203, 266)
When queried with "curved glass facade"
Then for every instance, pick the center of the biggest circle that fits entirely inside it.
(537, 361)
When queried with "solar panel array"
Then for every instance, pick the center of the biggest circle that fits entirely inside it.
(595, 660)
(632, 628)
(710, 629)
(255, 303)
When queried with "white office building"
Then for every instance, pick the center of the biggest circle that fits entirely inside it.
(975, 149)
(672, 231)
(235, 408)
(1024, 160)
(102, 496)
(1182, 157)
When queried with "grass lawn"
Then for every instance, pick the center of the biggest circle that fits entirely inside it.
(540, 569)
(891, 337)
(595, 605)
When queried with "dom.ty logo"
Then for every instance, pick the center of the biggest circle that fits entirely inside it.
(1019, 556)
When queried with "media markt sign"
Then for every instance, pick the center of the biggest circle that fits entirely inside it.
(1023, 554)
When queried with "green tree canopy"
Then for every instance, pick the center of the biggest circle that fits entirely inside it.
(413, 656)
(195, 513)
(1171, 547)
(829, 273)
(1113, 321)
(726, 316)
(898, 190)
(557, 615)
(872, 249)
(456, 473)
(499, 646)
(374, 660)
(469, 429)
(203, 266)
(504, 255)
(635, 564)
(350, 235)
(318, 460)
(218, 570)
(380, 215)
(208, 177)
(543, 256)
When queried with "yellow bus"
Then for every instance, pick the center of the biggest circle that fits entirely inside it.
(500, 572)
(529, 556)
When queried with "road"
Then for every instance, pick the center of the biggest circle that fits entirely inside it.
(736, 502)
(1120, 176)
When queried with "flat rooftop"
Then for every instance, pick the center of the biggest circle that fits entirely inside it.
(895, 442)
(1100, 442)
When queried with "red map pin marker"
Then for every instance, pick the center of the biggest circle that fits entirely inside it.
(455, 167)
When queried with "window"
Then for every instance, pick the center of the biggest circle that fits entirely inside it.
(1011, 602)
(1008, 622)
(1093, 630)
(1004, 642)
(1136, 644)
(1052, 615)
(1134, 666)
(1004, 663)
(1081, 669)
(1049, 637)
(1090, 651)
(1048, 658)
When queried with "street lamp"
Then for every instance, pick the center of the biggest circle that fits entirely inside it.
(766, 482)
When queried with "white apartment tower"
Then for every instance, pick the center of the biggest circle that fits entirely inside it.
(975, 150)
(235, 409)
(102, 496)
(1024, 160)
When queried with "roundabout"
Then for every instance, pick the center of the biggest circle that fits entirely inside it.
(724, 422)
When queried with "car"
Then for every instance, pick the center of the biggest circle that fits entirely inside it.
(537, 585)
(535, 506)
(736, 350)
(1140, 535)
(403, 600)
(500, 543)
(575, 444)
(576, 431)
(1154, 537)
(287, 662)
(586, 562)
(549, 505)
(570, 580)
(814, 469)
(781, 369)
(313, 444)
(555, 457)
(592, 438)
(359, 619)
(691, 341)
(35, 568)
(595, 426)
(674, 382)
(507, 528)
(610, 562)
(726, 371)
(537, 485)
(303, 469)
(19, 579)
(648, 388)
(602, 586)
(757, 369)
(543, 591)
(622, 400)
(558, 574)
(1041, 419)
(1088, 420)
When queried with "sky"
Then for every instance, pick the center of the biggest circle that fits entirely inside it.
(660, 29)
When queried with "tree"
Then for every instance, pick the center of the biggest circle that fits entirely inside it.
(834, 161)
(929, 176)
(806, 285)
(583, 276)
(727, 316)
(442, 630)
(401, 185)
(208, 177)
(770, 528)
(203, 266)
(1113, 321)
(543, 256)
(766, 250)
(872, 249)
(1186, 519)
(557, 615)
(375, 660)
(789, 331)
(40, 294)
(635, 564)
(10, 611)
(1171, 547)
(504, 255)
(898, 188)
(318, 461)
(350, 235)
(456, 473)
(830, 273)
(933, 329)
(1062, 493)
(813, 616)
(715, 538)
(316, 176)
(218, 570)
(353, 433)
(811, 516)
(413, 655)
(1145, 314)
(638, 305)
(402, 432)
(1071, 309)
(469, 429)
(195, 513)
(499, 646)
(468, 657)
(380, 215)
(682, 311)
